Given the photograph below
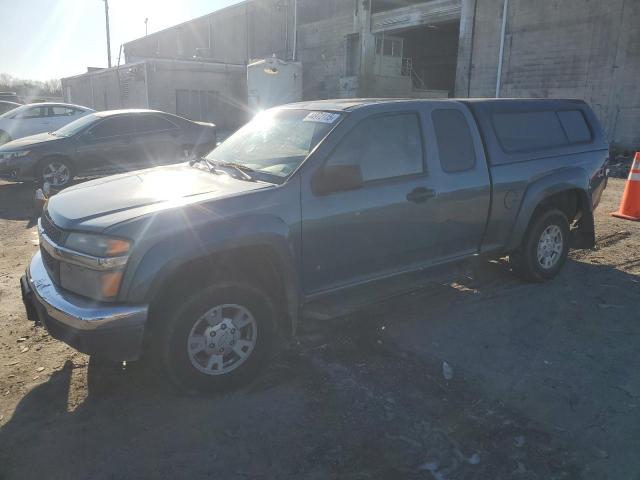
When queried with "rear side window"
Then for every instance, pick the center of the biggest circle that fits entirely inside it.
(529, 130)
(386, 146)
(112, 126)
(455, 143)
(152, 123)
(61, 111)
(575, 126)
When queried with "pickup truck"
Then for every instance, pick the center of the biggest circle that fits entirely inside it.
(204, 263)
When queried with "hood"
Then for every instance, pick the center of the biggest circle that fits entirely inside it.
(101, 203)
(30, 141)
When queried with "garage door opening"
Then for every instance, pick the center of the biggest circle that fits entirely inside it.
(428, 54)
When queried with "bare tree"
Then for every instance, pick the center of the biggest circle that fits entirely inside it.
(30, 88)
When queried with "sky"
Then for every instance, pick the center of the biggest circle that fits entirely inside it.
(45, 39)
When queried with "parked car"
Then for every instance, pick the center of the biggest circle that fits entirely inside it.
(300, 209)
(11, 97)
(105, 142)
(5, 106)
(37, 118)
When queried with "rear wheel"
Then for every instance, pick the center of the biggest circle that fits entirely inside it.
(544, 248)
(56, 171)
(4, 137)
(218, 338)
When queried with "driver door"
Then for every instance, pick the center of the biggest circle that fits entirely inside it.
(108, 146)
(383, 227)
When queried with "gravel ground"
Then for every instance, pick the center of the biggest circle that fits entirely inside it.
(477, 376)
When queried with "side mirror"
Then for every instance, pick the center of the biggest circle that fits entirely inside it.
(337, 178)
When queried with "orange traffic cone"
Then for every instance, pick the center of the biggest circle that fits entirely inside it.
(630, 204)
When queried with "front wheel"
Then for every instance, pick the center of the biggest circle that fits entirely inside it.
(56, 172)
(544, 248)
(218, 338)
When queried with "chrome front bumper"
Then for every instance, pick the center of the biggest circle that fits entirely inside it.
(108, 330)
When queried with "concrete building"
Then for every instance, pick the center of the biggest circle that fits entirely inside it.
(206, 91)
(587, 49)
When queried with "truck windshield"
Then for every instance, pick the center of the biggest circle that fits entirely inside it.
(276, 142)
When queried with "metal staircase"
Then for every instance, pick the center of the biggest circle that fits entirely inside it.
(408, 71)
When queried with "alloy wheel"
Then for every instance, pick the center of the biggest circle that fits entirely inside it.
(222, 339)
(550, 247)
(57, 174)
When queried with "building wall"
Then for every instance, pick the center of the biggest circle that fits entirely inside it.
(558, 48)
(226, 85)
(322, 49)
(126, 87)
(236, 34)
(122, 87)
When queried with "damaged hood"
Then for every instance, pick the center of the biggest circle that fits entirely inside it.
(101, 203)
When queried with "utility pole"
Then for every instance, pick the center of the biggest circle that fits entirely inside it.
(106, 17)
(295, 29)
(503, 31)
(146, 31)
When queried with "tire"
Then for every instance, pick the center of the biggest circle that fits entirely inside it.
(57, 171)
(4, 137)
(544, 248)
(187, 152)
(202, 352)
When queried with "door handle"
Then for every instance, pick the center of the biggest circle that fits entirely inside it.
(420, 194)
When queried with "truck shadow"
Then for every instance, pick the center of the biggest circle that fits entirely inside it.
(16, 201)
(131, 424)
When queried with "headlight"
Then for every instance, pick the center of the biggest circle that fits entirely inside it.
(97, 245)
(8, 156)
(100, 285)
(95, 265)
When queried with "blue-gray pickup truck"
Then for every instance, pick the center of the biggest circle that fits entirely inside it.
(205, 262)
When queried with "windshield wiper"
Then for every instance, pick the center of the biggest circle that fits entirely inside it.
(197, 159)
(244, 171)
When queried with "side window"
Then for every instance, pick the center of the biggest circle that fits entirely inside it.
(575, 126)
(385, 147)
(112, 126)
(455, 143)
(33, 112)
(152, 123)
(61, 111)
(529, 131)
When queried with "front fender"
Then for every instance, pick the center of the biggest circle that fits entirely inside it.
(148, 274)
(570, 178)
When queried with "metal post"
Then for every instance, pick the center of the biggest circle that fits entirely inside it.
(295, 30)
(106, 16)
(505, 6)
(146, 30)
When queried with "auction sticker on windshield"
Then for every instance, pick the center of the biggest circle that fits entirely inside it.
(321, 117)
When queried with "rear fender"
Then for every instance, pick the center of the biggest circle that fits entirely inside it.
(571, 178)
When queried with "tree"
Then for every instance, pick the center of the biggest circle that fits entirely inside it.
(30, 88)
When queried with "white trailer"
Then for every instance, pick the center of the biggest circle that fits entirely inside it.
(272, 82)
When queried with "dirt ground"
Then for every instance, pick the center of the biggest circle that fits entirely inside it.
(480, 376)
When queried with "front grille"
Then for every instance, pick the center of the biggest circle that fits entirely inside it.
(51, 264)
(53, 232)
